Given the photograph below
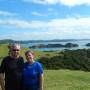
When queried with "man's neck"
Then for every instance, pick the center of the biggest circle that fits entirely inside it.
(14, 57)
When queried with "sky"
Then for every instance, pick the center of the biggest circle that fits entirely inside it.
(44, 19)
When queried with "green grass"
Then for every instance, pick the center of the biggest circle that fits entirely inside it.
(66, 80)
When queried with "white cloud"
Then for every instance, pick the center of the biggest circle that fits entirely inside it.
(56, 28)
(37, 14)
(5, 13)
(22, 24)
(54, 23)
(64, 2)
(51, 11)
(74, 2)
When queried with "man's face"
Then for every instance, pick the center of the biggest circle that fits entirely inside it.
(15, 50)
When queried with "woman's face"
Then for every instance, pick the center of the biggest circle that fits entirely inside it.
(30, 56)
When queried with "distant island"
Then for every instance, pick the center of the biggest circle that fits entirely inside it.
(68, 45)
(88, 44)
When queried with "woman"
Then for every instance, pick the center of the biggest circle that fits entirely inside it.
(32, 73)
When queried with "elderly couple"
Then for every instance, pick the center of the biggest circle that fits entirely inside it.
(20, 75)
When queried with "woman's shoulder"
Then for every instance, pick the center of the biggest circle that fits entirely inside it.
(38, 64)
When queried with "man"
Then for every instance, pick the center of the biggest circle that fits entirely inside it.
(12, 66)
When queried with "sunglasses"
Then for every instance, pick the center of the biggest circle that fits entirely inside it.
(15, 50)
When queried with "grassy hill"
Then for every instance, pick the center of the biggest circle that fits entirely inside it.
(66, 80)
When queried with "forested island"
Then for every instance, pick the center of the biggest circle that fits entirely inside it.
(67, 45)
(88, 44)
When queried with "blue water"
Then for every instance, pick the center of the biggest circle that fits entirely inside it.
(81, 44)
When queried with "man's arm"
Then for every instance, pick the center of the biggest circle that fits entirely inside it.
(2, 82)
(2, 74)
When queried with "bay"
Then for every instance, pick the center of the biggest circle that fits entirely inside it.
(81, 43)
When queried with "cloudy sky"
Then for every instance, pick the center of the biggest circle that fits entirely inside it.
(44, 19)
